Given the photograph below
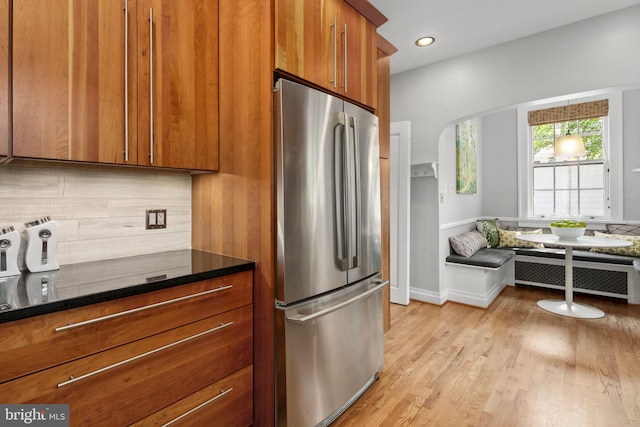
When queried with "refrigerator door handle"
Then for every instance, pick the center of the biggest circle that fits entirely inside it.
(353, 124)
(349, 195)
(341, 192)
(300, 318)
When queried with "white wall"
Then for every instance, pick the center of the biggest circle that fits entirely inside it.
(100, 210)
(603, 54)
(424, 255)
(631, 152)
(499, 154)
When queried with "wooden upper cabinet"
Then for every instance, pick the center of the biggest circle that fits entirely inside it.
(302, 40)
(4, 78)
(329, 44)
(384, 103)
(69, 80)
(358, 61)
(82, 77)
(178, 82)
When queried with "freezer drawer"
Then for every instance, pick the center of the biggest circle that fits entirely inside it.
(329, 350)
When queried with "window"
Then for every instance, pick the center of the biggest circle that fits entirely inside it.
(569, 187)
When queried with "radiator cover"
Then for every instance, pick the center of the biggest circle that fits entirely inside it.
(614, 282)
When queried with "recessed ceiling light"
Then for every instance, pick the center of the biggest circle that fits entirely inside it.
(425, 41)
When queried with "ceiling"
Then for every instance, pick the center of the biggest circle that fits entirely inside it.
(463, 26)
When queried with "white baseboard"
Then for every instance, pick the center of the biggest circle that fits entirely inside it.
(430, 297)
(476, 300)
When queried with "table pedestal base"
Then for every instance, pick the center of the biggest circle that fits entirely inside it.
(570, 309)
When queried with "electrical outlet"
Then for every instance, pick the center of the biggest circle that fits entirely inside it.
(156, 218)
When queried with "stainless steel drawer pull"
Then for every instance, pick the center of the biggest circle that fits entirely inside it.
(135, 310)
(200, 406)
(73, 379)
(299, 318)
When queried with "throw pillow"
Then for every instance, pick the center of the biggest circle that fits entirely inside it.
(467, 244)
(629, 230)
(490, 230)
(508, 239)
(633, 250)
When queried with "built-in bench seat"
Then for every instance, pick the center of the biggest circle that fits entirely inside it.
(488, 258)
(478, 279)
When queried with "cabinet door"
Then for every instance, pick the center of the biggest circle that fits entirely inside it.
(69, 80)
(302, 40)
(178, 83)
(329, 44)
(358, 60)
(4, 78)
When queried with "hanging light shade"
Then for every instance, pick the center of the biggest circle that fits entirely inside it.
(569, 146)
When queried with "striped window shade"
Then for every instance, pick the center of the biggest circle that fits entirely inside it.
(585, 110)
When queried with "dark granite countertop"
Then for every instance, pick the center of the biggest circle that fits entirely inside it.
(75, 285)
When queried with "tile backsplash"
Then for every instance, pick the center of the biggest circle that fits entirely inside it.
(100, 210)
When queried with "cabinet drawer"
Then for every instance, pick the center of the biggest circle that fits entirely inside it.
(127, 383)
(37, 343)
(228, 402)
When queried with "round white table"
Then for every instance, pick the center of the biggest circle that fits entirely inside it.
(568, 307)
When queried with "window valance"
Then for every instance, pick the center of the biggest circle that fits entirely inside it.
(585, 110)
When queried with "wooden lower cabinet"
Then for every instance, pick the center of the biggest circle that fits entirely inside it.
(228, 402)
(82, 331)
(163, 375)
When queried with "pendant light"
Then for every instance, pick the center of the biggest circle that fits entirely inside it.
(568, 145)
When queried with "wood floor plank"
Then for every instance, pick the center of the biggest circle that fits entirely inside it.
(513, 364)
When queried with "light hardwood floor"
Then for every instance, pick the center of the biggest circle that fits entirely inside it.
(510, 365)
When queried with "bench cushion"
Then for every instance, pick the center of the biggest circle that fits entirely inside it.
(486, 257)
(633, 250)
(578, 256)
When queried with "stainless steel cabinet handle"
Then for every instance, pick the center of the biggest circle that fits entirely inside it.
(140, 356)
(335, 52)
(345, 58)
(151, 85)
(200, 406)
(126, 80)
(299, 318)
(135, 310)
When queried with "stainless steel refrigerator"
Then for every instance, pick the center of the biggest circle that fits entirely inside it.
(329, 332)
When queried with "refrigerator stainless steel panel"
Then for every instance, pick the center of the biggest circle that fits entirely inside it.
(328, 192)
(308, 137)
(318, 376)
(363, 134)
(329, 336)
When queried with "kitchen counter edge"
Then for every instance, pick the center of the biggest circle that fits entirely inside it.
(231, 265)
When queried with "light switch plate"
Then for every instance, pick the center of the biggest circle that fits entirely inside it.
(156, 218)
